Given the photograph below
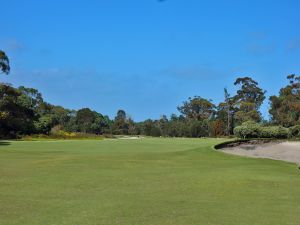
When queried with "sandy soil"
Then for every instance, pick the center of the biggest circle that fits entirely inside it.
(287, 151)
(130, 138)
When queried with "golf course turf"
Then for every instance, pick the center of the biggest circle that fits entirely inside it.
(151, 181)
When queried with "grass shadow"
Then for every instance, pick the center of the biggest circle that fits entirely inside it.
(4, 143)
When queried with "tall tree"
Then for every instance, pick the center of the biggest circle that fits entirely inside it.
(85, 117)
(132, 128)
(147, 127)
(31, 97)
(248, 99)
(163, 125)
(15, 115)
(285, 108)
(121, 115)
(197, 108)
(120, 124)
(228, 106)
(4, 63)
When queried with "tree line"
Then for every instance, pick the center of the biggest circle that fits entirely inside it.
(23, 111)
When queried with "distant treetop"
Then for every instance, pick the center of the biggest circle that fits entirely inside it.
(4, 63)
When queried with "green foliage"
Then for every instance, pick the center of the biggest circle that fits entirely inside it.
(44, 124)
(278, 132)
(247, 112)
(155, 132)
(62, 135)
(248, 129)
(89, 121)
(121, 123)
(24, 112)
(251, 129)
(4, 63)
(199, 129)
(147, 126)
(249, 91)
(248, 100)
(16, 117)
(197, 108)
(294, 132)
(285, 108)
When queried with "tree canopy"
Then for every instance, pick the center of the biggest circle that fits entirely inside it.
(4, 63)
(23, 111)
(197, 108)
(248, 100)
(285, 108)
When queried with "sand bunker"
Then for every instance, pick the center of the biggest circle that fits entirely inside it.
(287, 151)
(130, 138)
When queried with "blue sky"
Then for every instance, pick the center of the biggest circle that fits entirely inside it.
(146, 56)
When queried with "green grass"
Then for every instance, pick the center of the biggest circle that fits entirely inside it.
(143, 182)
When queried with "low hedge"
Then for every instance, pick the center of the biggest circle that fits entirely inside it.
(62, 135)
(277, 132)
(253, 130)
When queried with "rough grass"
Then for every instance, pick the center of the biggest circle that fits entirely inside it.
(143, 182)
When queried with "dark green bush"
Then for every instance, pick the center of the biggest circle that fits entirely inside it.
(294, 132)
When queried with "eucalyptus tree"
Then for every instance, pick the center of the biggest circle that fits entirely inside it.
(120, 124)
(4, 63)
(197, 108)
(285, 108)
(248, 100)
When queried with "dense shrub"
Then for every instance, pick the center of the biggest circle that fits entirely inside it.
(199, 128)
(253, 130)
(217, 128)
(62, 135)
(274, 132)
(248, 129)
(294, 132)
(155, 132)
